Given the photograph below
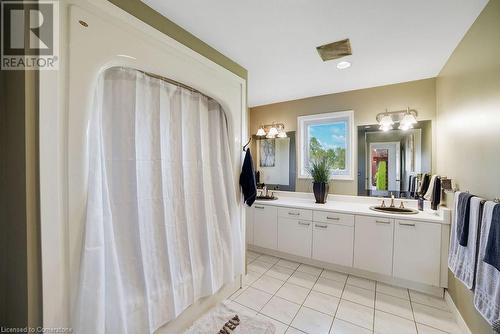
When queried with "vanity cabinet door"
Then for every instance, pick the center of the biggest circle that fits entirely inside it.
(373, 241)
(417, 251)
(333, 243)
(295, 236)
(249, 221)
(265, 226)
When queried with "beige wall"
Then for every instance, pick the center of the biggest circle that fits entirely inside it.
(468, 121)
(366, 103)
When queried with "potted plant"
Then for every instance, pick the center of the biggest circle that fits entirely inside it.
(320, 170)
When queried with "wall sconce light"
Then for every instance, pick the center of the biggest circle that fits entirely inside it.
(270, 131)
(406, 119)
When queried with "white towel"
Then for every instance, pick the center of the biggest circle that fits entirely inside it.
(428, 194)
(462, 260)
(487, 289)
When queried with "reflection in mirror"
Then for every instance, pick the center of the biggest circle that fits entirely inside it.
(275, 162)
(389, 161)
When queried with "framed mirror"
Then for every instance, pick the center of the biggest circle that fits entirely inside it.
(275, 162)
(389, 160)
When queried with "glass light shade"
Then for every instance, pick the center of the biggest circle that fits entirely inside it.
(409, 119)
(405, 126)
(269, 136)
(386, 121)
(385, 128)
(273, 131)
(261, 132)
(281, 134)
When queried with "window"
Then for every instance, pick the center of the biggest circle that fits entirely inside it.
(328, 135)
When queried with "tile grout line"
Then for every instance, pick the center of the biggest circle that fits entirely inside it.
(302, 305)
(338, 306)
(288, 326)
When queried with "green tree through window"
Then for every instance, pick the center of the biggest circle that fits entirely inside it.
(336, 155)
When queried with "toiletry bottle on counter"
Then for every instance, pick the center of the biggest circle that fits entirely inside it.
(421, 203)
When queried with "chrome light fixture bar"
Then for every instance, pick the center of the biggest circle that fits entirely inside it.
(270, 131)
(406, 119)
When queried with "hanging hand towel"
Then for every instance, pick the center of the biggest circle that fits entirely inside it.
(462, 260)
(247, 179)
(487, 287)
(436, 193)
(424, 185)
(430, 189)
(463, 214)
(492, 255)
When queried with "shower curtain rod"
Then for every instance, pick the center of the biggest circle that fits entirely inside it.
(173, 82)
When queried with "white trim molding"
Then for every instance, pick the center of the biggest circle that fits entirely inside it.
(336, 116)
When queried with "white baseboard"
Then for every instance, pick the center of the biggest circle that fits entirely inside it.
(453, 308)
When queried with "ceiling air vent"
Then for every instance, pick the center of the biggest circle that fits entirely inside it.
(335, 50)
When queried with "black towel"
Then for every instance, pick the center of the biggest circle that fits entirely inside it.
(247, 179)
(425, 184)
(436, 193)
(463, 213)
(492, 252)
(410, 183)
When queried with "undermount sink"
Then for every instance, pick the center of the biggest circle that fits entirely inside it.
(386, 209)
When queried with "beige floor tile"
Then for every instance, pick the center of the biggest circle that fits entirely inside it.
(293, 293)
(288, 264)
(394, 305)
(302, 279)
(253, 298)
(434, 317)
(355, 313)
(361, 282)
(359, 295)
(344, 327)
(280, 309)
(268, 284)
(279, 272)
(329, 287)
(322, 302)
(386, 323)
(312, 322)
(310, 269)
(393, 291)
(335, 276)
(422, 298)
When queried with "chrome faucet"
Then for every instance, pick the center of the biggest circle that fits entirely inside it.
(392, 201)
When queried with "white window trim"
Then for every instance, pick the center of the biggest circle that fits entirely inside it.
(301, 137)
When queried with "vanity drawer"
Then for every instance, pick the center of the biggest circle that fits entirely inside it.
(295, 213)
(333, 218)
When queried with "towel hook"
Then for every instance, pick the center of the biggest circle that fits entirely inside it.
(245, 146)
(496, 200)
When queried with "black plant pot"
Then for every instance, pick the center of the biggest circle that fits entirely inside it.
(320, 192)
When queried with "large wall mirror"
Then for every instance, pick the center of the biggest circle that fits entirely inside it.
(388, 159)
(275, 162)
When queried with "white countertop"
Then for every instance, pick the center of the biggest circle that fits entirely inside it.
(357, 205)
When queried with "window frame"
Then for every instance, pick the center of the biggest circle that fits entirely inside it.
(302, 150)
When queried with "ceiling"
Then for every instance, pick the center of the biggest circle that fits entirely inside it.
(275, 40)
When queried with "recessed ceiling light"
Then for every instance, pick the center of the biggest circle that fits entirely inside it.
(343, 65)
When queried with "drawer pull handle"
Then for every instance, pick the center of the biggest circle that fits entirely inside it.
(294, 213)
(259, 207)
(406, 224)
(305, 224)
(382, 222)
(332, 218)
(321, 226)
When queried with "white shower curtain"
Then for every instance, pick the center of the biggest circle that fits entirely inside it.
(162, 226)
